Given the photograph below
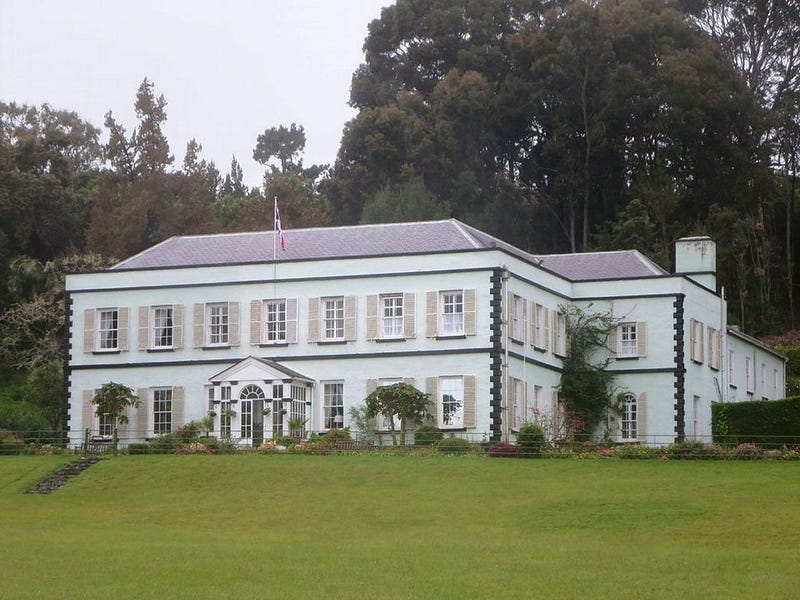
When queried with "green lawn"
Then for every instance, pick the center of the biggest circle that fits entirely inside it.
(252, 526)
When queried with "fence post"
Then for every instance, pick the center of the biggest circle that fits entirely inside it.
(86, 433)
(114, 440)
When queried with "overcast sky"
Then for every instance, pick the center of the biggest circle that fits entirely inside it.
(228, 70)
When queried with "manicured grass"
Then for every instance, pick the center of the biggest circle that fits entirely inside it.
(400, 527)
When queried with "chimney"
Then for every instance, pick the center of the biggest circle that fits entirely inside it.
(696, 258)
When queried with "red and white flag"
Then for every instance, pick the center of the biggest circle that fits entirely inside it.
(278, 227)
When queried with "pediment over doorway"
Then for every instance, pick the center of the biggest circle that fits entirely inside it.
(259, 369)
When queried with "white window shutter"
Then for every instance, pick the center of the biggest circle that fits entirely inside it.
(199, 325)
(641, 417)
(532, 327)
(469, 401)
(409, 315)
(291, 320)
(88, 417)
(143, 413)
(88, 331)
(469, 312)
(431, 314)
(524, 319)
(613, 341)
(255, 322)
(408, 380)
(144, 327)
(546, 320)
(701, 346)
(313, 319)
(178, 407)
(123, 324)
(177, 326)
(432, 389)
(641, 338)
(233, 323)
(350, 317)
(372, 316)
(372, 385)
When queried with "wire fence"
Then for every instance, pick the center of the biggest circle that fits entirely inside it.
(338, 442)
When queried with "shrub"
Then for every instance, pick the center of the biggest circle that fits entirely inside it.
(283, 440)
(427, 435)
(763, 422)
(138, 448)
(747, 451)
(636, 452)
(10, 443)
(531, 439)
(453, 445)
(193, 448)
(505, 450)
(686, 451)
(335, 435)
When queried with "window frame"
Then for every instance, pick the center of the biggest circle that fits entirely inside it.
(629, 419)
(332, 318)
(451, 313)
(454, 418)
(221, 337)
(397, 321)
(162, 410)
(108, 334)
(333, 405)
(274, 321)
(628, 340)
(167, 329)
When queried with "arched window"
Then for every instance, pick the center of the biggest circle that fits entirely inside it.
(247, 395)
(629, 417)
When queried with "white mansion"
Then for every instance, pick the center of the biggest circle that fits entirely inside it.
(212, 323)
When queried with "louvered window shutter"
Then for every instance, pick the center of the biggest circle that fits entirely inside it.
(372, 316)
(408, 380)
(144, 327)
(532, 328)
(372, 385)
(123, 324)
(233, 324)
(524, 328)
(546, 319)
(198, 325)
(641, 338)
(469, 401)
(178, 407)
(88, 331)
(255, 322)
(432, 389)
(88, 412)
(291, 320)
(350, 318)
(409, 315)
(613, 341)
(313, 319)
(143, 414)
(469, 312)
(177, 326)
(692, 345)
(431, 314)
(641, 417)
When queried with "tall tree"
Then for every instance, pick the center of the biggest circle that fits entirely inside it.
(285, 145)
(146, 150)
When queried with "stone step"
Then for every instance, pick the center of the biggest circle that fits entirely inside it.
(63, 475)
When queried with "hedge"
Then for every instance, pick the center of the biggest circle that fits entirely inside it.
(763, 422)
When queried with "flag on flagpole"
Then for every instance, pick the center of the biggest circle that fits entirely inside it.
(278, 227)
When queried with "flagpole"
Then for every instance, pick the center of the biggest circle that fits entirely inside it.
(275, 248)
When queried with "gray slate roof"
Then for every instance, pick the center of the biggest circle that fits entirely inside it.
(375, 240)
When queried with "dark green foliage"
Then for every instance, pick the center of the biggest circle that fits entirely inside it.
(10, 443)
(767, 423)
(427, 435)
(686, 451)
(336, 435)
(453, 445)
(586, 384)
(531, 439)
(402, 401)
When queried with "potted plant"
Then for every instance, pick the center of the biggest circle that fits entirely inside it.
(296, 425)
